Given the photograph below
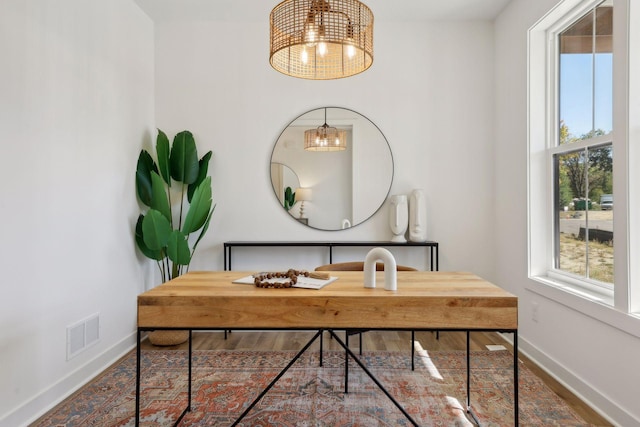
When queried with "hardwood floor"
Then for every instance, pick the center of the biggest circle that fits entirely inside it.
(380, 340)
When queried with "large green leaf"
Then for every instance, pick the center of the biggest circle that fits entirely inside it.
(143, 176)
(159, 200)
(162, 151)
(178, 248)
(202, 174)
(153, 254)
(199, 208)
(204, 229)
(155, 230)
(184, 158)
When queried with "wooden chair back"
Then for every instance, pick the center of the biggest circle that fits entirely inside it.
(358, 266)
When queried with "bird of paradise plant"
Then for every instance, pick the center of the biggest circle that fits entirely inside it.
(163, 231)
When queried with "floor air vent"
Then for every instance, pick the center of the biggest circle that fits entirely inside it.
(82, 335)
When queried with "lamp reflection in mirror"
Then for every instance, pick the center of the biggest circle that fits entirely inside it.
(325, 138)
(303, 195)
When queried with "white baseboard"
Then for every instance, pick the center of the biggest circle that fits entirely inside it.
(582, 389)
(56, 393)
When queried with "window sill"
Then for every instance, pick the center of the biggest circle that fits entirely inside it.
(578, 288)
(597, 305)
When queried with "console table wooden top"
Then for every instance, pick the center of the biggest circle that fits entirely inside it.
(424, 300)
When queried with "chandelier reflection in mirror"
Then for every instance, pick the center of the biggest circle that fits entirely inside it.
(325, 138)
(321, 39)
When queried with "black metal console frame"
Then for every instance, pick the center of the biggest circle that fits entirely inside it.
(433, 248)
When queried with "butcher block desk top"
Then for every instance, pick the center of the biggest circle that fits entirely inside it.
(424, 300)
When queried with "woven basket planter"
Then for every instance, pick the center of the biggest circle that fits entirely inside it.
(167, 338)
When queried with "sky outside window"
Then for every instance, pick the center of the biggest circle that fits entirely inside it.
(586, 73)
(580, 89)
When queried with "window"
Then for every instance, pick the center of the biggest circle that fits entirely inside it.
(578, 180)
(581, 151)
(583, 137)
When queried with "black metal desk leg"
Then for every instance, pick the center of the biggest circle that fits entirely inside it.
(321, 344)
(413, 350)
(190, 365)
(468, 373)
(515, 379)
(469, 409)
(346, 362)
(138, 379)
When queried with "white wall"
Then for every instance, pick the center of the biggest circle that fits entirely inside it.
(586, 346)
(76, 107)
(430, 91)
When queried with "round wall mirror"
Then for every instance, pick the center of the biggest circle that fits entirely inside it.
(331, 168)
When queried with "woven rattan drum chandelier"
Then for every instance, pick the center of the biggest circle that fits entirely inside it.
(321, 39)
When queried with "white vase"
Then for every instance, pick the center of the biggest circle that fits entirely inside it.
(417, 216)
(399, 217)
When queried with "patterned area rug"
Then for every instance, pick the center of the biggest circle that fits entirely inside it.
(226, 382)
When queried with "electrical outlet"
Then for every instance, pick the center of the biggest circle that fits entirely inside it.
(534, 311)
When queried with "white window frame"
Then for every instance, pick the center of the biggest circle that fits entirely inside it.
(620, 307)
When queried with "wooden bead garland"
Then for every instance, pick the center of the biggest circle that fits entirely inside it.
(261, 280)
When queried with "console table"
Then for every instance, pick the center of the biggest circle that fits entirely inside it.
(432, 246)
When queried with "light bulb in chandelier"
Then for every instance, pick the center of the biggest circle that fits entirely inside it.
(311, 37)
(351, 51)
(322, 49)
(323, 137)
(310, 34)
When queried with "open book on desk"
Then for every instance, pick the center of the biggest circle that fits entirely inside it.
(303, 282)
